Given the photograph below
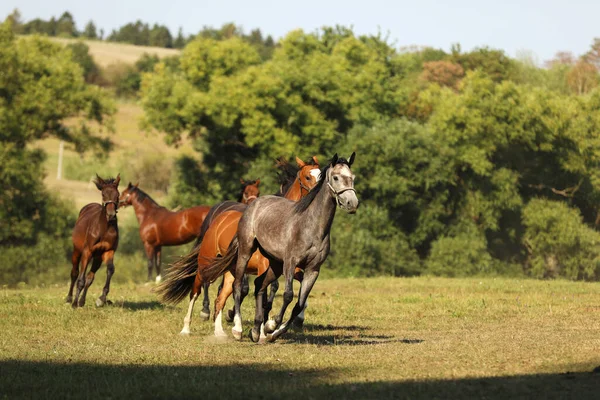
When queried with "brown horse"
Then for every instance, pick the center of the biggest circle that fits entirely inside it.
(162, 227)
(95, 237)
(185, 276)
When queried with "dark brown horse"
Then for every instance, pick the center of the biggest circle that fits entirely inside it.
(185, 275)
(289, 235)
(95, 237)
(162, 227)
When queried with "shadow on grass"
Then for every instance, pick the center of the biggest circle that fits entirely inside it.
(26, 379)
(345, 340)
(329, 327)
(141, 305)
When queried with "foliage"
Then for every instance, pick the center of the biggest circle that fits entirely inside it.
(558, 242)
(80, 54)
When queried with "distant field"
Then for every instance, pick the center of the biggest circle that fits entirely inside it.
(106, 53)
(131, 144)
(377, 338)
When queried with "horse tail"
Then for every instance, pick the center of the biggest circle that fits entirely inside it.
(219, 265)
(179, 278)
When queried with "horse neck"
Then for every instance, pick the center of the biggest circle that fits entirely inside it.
(321, 211)
(294, 193)
(142, 208)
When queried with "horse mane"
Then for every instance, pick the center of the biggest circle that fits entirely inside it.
(141, 196)
(303, 204)
(107, 181)
(243, 187)
(288, 174)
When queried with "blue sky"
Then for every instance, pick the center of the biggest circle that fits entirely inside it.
(541, 27)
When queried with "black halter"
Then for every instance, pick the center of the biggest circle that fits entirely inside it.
(105, 203)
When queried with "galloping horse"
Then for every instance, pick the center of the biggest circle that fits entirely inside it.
(289, 235)
(162, 227)
(95, 237)
(186, 274)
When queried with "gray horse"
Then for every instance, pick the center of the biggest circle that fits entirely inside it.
(290, 235)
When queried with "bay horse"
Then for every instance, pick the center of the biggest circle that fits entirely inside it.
(185, 276)
(95, 237)
(162, 227)
(289, 235)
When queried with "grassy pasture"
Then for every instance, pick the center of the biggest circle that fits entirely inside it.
(372, 338)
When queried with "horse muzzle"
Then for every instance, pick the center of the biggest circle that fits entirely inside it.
(348, 201)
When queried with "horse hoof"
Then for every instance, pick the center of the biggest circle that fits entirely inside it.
(109, 303)
(220, 334)
(99, 303)
(74, 306)
(270, 326)
(69, 299)
(184, 332)
(254, 336)
(271, 338)
(298, 325)
(236, 334)
(204, 316)
(158, 278)
(229, 316)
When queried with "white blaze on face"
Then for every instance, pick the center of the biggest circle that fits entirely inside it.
(316, 173)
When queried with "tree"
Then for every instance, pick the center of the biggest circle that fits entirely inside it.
(40, 88)
(582, 77)
(179, 41)
(15, 21)
(160, 36)
(65, 26)
(593, 55)
(444, 73)
(90, 30)
(80, 55)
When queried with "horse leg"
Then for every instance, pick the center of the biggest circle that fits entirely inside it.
(157, 254)
(310, 277)
(261, 284)
(205, 313)
(224, 293)
(75, 258)
(288, 294)
(150, 254)
(245, 291)
(85, 259)
(298, 323)
(96, 263)
(108, 258)
(244, 253)
(196, 289)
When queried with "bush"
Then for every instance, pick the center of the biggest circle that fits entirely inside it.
(367, 244)
(46, 259)
(461, 253)
(558, 242)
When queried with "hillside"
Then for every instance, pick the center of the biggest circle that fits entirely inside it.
(106, 53)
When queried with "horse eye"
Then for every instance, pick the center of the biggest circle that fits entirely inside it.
(308, 178)
(335, 178)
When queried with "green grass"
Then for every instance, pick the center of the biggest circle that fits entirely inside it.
(371, 338)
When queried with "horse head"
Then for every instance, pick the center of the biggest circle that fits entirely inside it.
(309, 174)
(126, 198)
(110, 194)
(250, 191)
(340, 180)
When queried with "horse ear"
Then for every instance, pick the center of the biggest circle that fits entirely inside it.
(257, 182)
(118, 180)
(315, 160)
(351, 158)
(300, 162)
(334, 159)
(242, 181)
(129, 185)
(136, 185)
(99, 182)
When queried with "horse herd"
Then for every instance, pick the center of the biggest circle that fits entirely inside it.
(283, 234)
